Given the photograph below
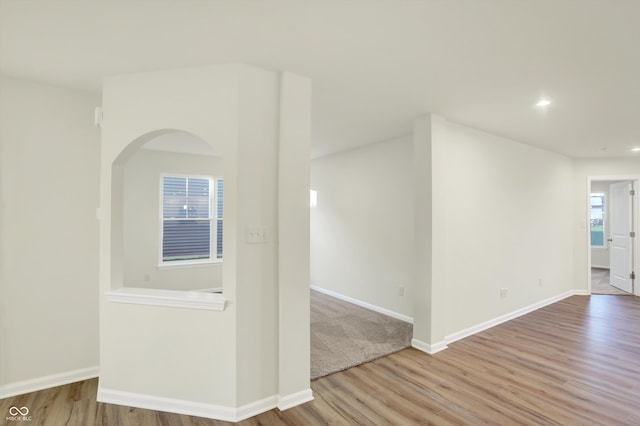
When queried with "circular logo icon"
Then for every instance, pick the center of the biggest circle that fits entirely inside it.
(14, 411)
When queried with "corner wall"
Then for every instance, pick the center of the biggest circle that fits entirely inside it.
(494, 230)
(156, 352)
(49, 159)
(482, 213)
(508, 225)
(223, 364)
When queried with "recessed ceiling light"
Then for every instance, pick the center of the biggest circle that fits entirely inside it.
(635, 149)
(543, 103)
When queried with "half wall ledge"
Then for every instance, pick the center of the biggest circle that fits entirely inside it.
(171, 298)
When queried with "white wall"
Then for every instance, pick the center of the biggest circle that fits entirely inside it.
(501, 218)
(294, 170)
(220, 360)
(583, 170)
(256, 264)
(204, 102)
(507, 224)
(142, 221)
(600, 255)
(362, 227)
(49, 159)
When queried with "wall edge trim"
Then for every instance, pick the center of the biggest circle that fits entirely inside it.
(294, 399)
(511, 315)
(167, 298)
(428, 348)
(190, 408)
(365, 305)
(257, 407)
(50, 381)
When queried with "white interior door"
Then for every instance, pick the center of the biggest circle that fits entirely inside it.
(621, 226)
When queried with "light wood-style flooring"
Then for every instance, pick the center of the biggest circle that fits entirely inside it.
(600, 280)
(576, 362)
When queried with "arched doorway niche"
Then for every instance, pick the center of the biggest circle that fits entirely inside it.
(166, 221)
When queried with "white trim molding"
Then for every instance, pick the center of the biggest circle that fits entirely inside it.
(172, 298)
(298, 398)
(442, 345)
(201, 409)
(46, 382)
(512, 315)
(190, 408)
(253, 409)
(362, 304)
(210, 290)
(430, 349)
(171, 405)
(189, 264)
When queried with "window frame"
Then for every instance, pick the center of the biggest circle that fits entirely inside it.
(213, 218)
(604, 218)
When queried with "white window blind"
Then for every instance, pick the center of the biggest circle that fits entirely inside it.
(191, 226)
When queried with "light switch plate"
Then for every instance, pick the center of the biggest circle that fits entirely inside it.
(256, 235)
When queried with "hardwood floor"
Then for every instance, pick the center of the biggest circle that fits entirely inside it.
(576, 362)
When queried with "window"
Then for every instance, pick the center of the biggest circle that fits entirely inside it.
(191, 214)
(597, 219)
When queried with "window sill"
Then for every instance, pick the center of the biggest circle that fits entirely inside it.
(171, 298)
(183, 265)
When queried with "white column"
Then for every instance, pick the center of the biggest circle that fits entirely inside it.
(293, 238)
(429, 281)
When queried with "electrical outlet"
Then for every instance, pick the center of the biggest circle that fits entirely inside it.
(401, 291)
(539, 282)
(147, 278)
(504, 292)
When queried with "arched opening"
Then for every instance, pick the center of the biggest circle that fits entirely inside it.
(167, 214)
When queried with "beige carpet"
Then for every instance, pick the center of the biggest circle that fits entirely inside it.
(344, 335)
(600, 283)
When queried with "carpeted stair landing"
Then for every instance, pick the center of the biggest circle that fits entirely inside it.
(344, 335)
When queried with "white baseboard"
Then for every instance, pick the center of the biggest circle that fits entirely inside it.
(51, 381)
(511, 315)
(362, 304)
(255, 408)
(442, 345)
(201, 409)
(290, 401)
(158, 403)
(426, 347)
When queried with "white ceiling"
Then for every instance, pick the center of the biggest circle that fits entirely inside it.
(375, 64)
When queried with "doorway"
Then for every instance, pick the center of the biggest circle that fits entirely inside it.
(613, 253)
(601, 283)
